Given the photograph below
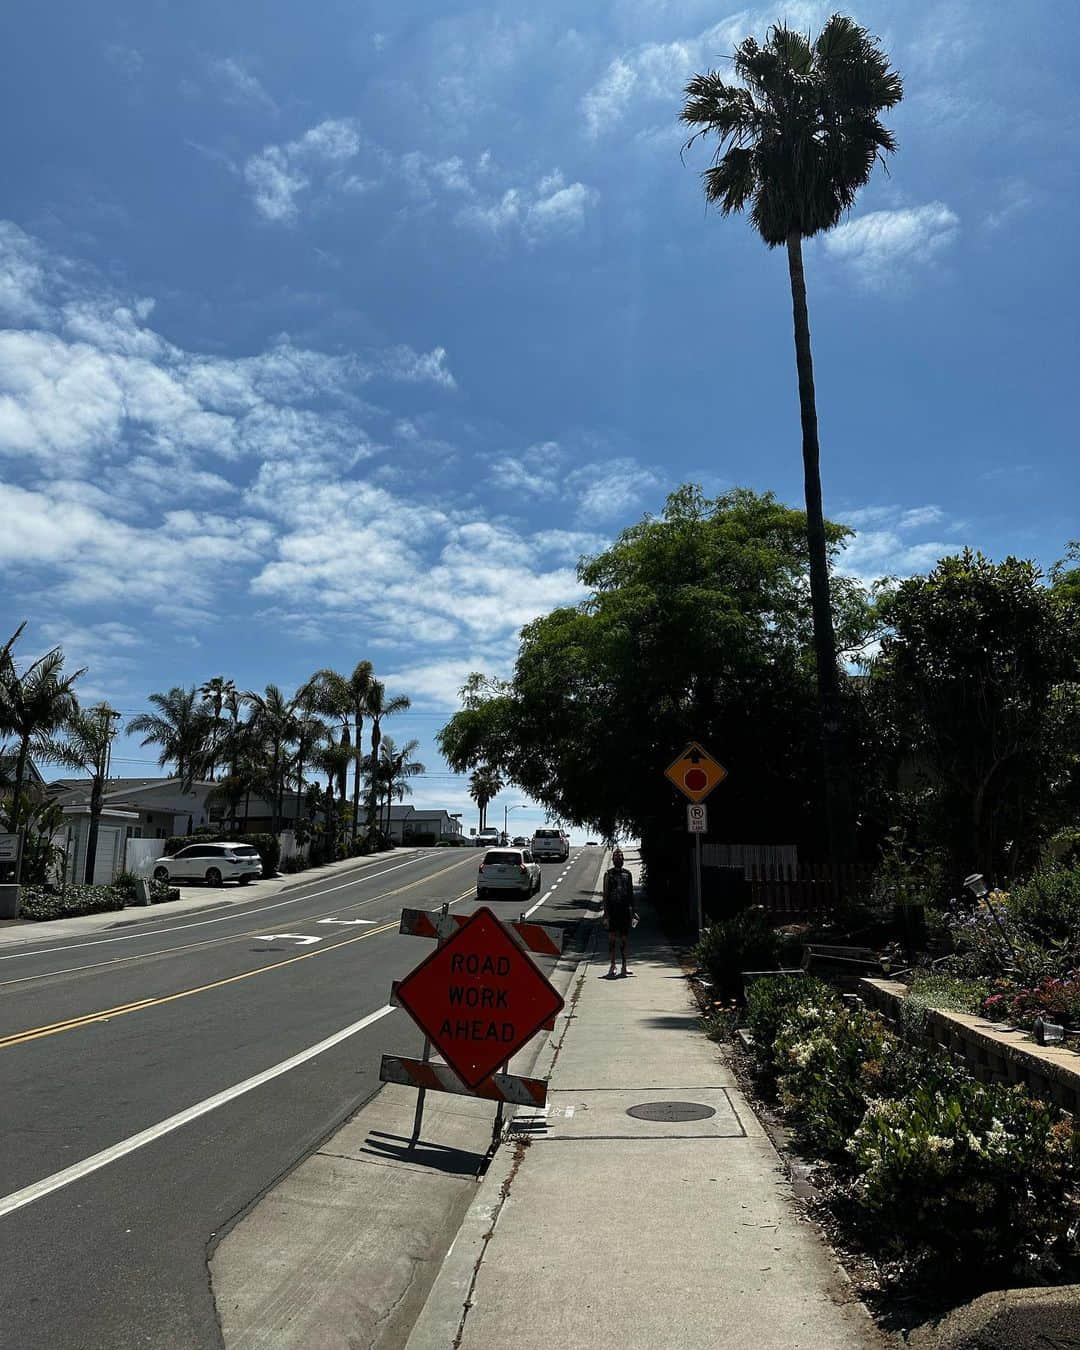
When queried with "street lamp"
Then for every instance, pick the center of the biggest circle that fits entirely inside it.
(519, 806)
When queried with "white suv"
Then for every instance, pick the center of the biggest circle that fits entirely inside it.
(550, 846)
(212, 863)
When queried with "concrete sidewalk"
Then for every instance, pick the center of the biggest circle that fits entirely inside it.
(597, 1228)
(193, 898)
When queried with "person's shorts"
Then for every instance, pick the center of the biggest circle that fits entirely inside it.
(619, 921)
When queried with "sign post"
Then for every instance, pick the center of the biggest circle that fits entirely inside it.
(695, 773)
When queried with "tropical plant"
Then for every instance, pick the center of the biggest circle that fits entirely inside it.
(274, 722)
(87, 737)
(397, 767)
(181, 726)
(35, 704)
(377, 706)
(484, 785)
(334, 759)
(218, 694)
(797, 137)
(347, 696)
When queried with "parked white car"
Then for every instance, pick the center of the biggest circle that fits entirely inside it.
(212, 863)
(550, 846)
(508, 869)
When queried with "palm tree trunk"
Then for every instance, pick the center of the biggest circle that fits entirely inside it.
(299, 782)
(16, 801)
(373, 812)
(356, 777)
(97, 792)
(837, 786)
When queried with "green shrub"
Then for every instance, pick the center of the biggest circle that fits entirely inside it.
(296, 863)
(830, 1060)
(1048, 905)
(954, 993)
(771, 1001)
(968, 1180)
(125, 883)
(746, 942)
(40, 902)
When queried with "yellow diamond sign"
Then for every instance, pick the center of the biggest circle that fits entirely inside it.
(695, 773)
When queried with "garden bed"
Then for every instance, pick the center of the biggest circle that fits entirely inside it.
(991, 1052)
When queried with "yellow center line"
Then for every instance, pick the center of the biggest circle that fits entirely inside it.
(106, 1014)
(227, 937)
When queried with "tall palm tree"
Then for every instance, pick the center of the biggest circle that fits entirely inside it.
(484, 785)
(181, 727)
(396, 767)
(217, 694)
(35, 704)
(88, 735)
(346, 697)
(274, 722)
(377, 706)
(333, 758)
(796, 140)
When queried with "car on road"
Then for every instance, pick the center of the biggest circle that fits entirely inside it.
(591, 843)
(213, 863)
(519, 841)
(550, 846)
(488, 837)
(508, 869)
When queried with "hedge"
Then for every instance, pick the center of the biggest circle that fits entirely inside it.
(39, 902)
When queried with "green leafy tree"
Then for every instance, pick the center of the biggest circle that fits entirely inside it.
(484, 785)
(378, 706)
(87, 737)
(396, 768)
(218, 694)
(274, 721)
(346, 697)
(697, 625)
(978, 670)
(797, 136)
(36, 703)
(182, 727)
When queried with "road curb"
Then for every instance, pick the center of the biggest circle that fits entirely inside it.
(442, 1318)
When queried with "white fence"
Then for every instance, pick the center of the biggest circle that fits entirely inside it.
(141, 854)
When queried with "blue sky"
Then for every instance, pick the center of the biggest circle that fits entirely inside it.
(341, 330)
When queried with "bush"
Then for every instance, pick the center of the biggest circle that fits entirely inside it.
(1056, 999)
(769, 1004)
(160, 891)
(954, 993)
(746, 942)
(125, 883)
(1048, 905)
(297, 863)
(40, 902)
(969, 1180)
(830, 1060)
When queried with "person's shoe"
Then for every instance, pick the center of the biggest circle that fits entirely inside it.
(611, 973)
(624, 972)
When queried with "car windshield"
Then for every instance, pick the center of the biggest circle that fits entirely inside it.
(546, 834)
(505, 856)
(244, 850)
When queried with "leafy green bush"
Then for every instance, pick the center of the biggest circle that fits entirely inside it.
(746, 942)
(125, 883)
(161, 891)
(954, 993)
(1048, 905)
(297, 863)
(829, 1061)
(40, 902)
(770, 1001)
(968, 1180)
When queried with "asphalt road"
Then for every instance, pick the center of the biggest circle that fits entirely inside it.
(131, 1132)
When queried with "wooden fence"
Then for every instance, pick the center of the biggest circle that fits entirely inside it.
(809, 890)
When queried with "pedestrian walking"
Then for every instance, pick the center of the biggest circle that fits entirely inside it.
(619, 912)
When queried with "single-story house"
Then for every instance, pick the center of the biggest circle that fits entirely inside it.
(162, 806)
(407, 821)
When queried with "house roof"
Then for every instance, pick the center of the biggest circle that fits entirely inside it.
(70, 790)
(8, 762)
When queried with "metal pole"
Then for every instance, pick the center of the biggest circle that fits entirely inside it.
(496, 1129)
(418, 1118)
(697, 881)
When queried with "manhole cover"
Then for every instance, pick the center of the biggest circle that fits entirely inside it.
(671, 1111)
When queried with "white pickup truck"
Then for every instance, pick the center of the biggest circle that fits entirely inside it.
(488, 837)
(550, 846)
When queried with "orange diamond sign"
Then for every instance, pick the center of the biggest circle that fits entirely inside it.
(695, 773)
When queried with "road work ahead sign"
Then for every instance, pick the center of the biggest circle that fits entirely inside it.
(478, 998)
(695, 773)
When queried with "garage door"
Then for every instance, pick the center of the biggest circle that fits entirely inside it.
(106, 863)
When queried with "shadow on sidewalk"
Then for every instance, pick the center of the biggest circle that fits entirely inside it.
(439, 1157)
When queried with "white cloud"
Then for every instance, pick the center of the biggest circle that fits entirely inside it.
(237, 85)
(658, 71)
(883, 543)
(612, 490)
(278, 174)
(882, 247)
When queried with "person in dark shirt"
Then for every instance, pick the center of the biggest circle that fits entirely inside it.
(619, 912)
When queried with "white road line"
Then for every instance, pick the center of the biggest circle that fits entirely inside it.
(201, 923)
(29, 1194)
(348, 923)
(301, 938)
